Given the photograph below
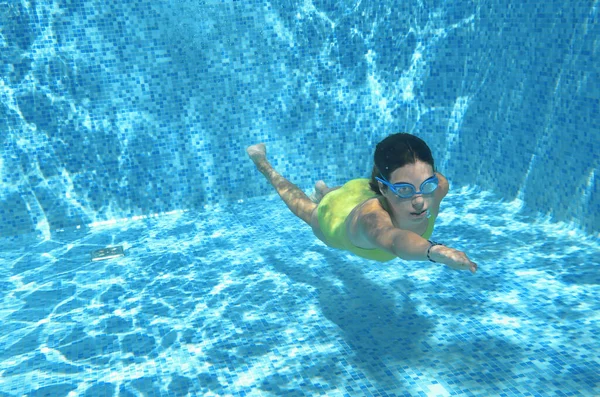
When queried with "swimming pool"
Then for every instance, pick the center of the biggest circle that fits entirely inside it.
(124, 124)
(235, 302)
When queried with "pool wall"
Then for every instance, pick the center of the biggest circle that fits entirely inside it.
(117, 109)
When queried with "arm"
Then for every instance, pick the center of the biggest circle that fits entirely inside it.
(373, 228)
(376, 229)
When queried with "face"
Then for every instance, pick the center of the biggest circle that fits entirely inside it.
(413, 209)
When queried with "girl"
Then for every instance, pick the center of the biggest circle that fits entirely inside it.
(390, 215)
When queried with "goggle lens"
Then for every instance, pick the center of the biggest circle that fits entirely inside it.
(427, 187)
(405, 191)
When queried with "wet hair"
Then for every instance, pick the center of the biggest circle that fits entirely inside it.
(395, 151)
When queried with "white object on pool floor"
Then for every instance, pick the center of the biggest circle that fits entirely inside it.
(107, 253)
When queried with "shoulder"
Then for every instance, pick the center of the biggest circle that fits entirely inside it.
(370, 215)
(443, 186)
(440, 193)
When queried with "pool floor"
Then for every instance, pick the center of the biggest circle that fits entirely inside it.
(243, 300)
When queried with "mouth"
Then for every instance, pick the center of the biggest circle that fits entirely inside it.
(419, 213)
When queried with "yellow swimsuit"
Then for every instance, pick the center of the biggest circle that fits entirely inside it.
(335, 207)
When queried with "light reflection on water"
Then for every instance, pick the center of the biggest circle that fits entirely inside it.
(245, 299)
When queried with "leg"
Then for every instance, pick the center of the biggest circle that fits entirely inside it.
(321, 190)
(294, 198)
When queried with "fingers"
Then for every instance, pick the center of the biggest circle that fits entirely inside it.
(457, 259)
(462, 262)
(468, 265)
(473, 267)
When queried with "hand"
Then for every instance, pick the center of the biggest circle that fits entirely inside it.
(453, 258)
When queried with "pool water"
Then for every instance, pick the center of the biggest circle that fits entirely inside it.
(243, 300)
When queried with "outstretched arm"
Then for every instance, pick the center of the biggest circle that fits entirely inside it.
(374, 227)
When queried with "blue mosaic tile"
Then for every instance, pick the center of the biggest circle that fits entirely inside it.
(126, 110)
(114, 110)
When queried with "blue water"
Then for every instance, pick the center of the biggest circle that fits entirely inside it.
(243, 300)
(126, 122)
(127, 108)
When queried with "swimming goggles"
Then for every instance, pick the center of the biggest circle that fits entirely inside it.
(406, 190)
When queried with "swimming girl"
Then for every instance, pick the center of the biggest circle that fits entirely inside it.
(390, 215)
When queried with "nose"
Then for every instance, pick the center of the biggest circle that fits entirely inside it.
(418, 201)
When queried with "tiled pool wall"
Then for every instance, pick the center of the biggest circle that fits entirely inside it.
(122, 108)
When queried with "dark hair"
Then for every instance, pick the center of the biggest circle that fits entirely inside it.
(396, 151)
